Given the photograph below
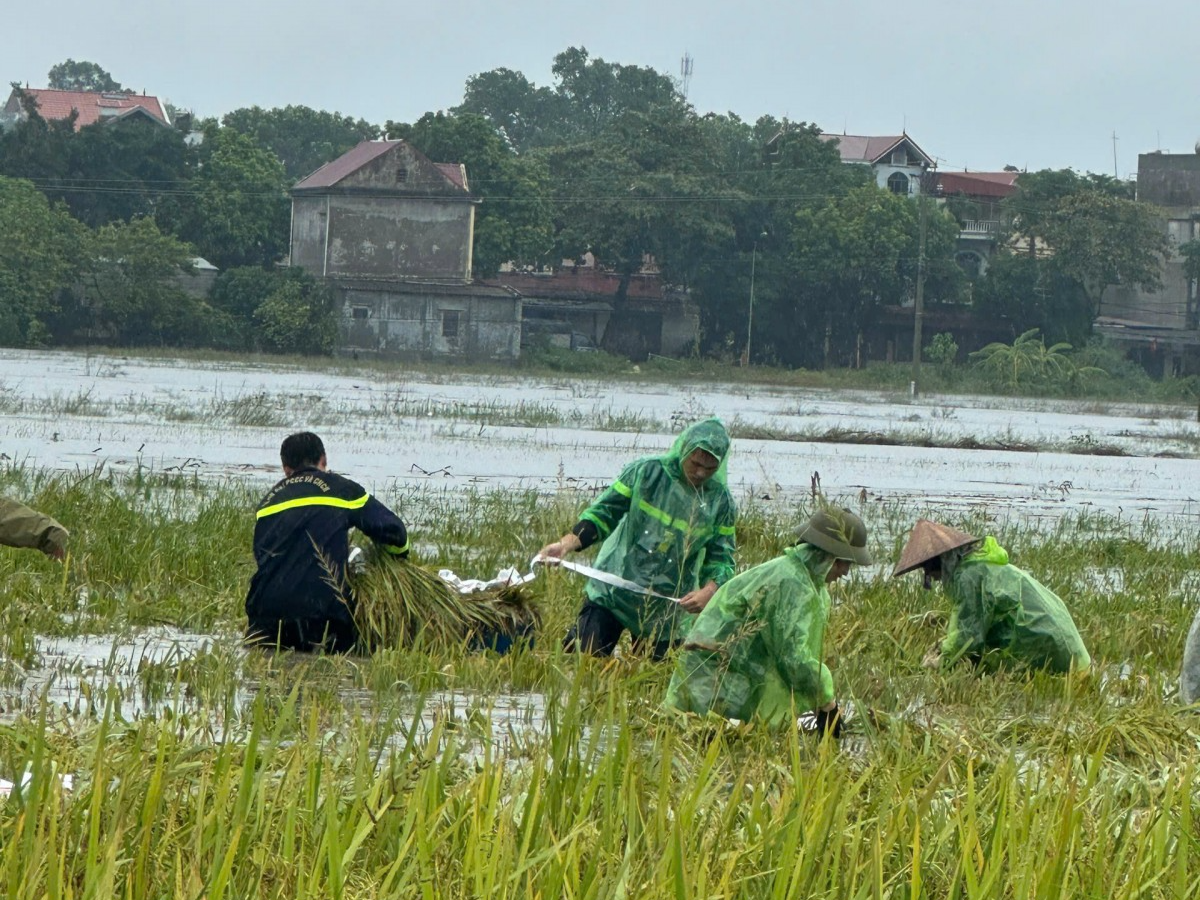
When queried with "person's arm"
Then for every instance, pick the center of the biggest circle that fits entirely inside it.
(598, 520)
(791, 621)
(27, 528)
(718, 561)
(382, 526)
(970, 620)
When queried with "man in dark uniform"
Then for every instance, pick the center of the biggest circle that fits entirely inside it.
(300, 597)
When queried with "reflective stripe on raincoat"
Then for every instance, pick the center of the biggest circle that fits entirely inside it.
(662, 533)
(1000, 607)
(756, 649)
(21, 526)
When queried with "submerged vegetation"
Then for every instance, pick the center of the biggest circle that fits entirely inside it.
(199, 768)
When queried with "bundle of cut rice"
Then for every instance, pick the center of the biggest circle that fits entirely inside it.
(401, 603)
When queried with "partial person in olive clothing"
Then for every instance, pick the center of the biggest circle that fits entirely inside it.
(997, 609)
(756, 652)
(300, 597)
(29, 529)
(667, 524)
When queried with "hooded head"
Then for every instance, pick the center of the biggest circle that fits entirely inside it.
(708, 436)
(928, 542)
(838, 532)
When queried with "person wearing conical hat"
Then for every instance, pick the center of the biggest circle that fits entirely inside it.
(756, 651)
(996, 606)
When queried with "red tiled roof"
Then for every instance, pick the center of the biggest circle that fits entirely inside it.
(456, 172)
(350, 161)
(354, 159)
(862, 147)
(979, 184)
(93, 106)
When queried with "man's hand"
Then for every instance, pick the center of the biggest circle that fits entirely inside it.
(933, 659)
(54, 551)
(568, 543)
(695, 601)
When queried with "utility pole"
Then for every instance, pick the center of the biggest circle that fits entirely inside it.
(1116, 174)
(919, 300)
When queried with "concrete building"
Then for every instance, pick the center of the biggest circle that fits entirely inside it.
(391, 233)
(896, 160)
(576, 308)
(974, 199)
(1160, 328)
(89, 107)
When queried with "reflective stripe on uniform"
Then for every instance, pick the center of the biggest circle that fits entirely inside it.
(313, 501)
(666, 518)
(622, 488)
(396, 551)
(726, 530)
(600, 526)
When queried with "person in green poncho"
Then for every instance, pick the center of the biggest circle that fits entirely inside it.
(756, 652)
(667, 524)
(997, 608)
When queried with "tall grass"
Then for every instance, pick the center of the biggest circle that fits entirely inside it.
(221, 772)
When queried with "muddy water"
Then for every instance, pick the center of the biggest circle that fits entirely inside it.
(146, 675)
(79, 411)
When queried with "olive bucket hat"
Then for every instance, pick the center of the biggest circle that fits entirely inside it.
(929, 540)
(839, 533)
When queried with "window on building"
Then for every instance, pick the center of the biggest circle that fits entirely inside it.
(401, 175)
(450, 323)
(361, 312)
(899, 157)
(898, 183)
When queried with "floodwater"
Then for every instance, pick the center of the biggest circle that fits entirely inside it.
(393, 430)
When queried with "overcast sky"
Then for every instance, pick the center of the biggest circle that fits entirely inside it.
(979, 85)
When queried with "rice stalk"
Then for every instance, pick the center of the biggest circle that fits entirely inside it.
(401, 603)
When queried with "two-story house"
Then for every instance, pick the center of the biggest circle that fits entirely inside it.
(391, 233)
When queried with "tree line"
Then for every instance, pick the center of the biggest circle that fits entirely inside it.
(609, 159)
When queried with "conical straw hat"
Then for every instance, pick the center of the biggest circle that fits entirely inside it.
(929, 539)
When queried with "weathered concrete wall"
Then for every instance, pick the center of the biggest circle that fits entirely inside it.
(1164, 309)
(389, 238)
(382, 237)
(308, 233)
(415, 320)
(1171, 180)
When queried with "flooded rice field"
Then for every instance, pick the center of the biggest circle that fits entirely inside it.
(399, 430)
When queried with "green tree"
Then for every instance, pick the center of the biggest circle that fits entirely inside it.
(851, 255)
(524, 115)
(1030, 293)
(238, 211)
(131, 289)
(39, 259)
(81, 76)
(1028, 362)
(297, 318)
(303, 138)
(513, 224)
(589, 95)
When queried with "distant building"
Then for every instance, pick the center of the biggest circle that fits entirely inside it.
(974, 199)
(391, 233)
(89, 106)
(896, 160)
(1162, 328)
(576, 307)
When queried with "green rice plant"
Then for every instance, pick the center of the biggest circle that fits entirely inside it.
(401, 603)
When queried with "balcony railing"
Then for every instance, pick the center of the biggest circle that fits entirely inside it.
(979, 228)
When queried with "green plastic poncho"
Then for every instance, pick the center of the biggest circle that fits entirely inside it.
(1000, 607)
(662, 533)
(756, 649)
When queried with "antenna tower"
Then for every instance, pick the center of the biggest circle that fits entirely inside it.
(685, 73)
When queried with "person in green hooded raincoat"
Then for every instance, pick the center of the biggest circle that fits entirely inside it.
(997, 607)
(667, 524)
(756, 652)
